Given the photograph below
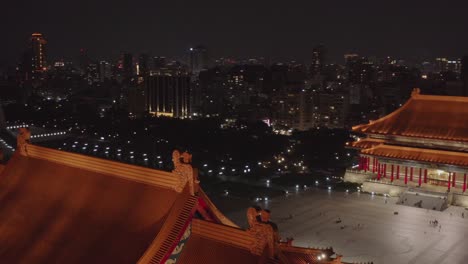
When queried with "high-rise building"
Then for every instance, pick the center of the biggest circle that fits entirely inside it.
(441, 64)
(464, 74)
(127, 66)
(83, 61)
(168, 95)
(318, 60)
(198, 60)
(143, 65)
(159, 62)
(454, 65)
(38, 51)
(105, 71)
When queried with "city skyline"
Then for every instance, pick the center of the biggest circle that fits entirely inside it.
(413, 31)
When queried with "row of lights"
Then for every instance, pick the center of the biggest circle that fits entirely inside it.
(49, 134)
(6, 144)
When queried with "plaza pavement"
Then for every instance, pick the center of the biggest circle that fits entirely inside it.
(309, 216)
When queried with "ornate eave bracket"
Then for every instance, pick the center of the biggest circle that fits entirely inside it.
(22, 140)
(184, 170)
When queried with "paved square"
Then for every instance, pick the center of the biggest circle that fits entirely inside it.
(382, 237)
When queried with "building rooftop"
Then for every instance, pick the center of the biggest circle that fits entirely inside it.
(424, 116)
(418, 154)
(61, 207)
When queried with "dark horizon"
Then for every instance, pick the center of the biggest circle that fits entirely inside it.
(414, 31)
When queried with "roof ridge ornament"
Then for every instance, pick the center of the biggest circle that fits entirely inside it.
(264, 232)
(22, 140)
(187, 174)
(415, 92)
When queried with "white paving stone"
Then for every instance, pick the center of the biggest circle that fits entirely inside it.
(384, 237)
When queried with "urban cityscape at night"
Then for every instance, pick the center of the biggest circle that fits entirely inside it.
(250, 132)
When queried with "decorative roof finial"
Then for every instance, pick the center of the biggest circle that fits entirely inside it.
(23, 139)
(183, 167)
(265, 233)
(415, 92)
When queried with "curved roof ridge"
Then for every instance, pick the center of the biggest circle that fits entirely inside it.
(222, 233)
(218, 214)
(158, 178)
(414, 95)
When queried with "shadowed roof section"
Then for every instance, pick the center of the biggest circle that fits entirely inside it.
(425, 116)
(418, 154)
(217, 243)
(54, 213)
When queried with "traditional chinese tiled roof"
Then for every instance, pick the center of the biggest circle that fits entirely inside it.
(216, 243)
(60, 207)
(424, 116)
(54, 213)
(365, 143)
(419, 154)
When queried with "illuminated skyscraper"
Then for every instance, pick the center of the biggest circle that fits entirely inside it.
(168, 95)
(38, 52)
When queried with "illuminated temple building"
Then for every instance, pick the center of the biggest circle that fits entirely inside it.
(61, 207)
(421, 146)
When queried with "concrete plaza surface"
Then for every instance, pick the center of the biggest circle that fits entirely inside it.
(369, 229)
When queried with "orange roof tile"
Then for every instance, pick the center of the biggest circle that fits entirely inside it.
(425, 116)
(54, 213)
(365, 143)
(417, 154)
(202, 250)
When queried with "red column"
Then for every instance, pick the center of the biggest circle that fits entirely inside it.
(425, 175)
(398, 172)
(453, 179)
(368, 163)
(391, 175)
(378, 172)
(385, 170)
(449, 182)
(373, 165)
(360, 163)
(406, 175)
(420, 176)
(464, 182)
(411, 174)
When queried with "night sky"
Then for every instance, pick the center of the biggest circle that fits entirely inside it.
(411, 29)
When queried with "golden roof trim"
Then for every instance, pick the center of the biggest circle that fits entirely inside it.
(221, 233)
(409, 150)
(126, 171)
